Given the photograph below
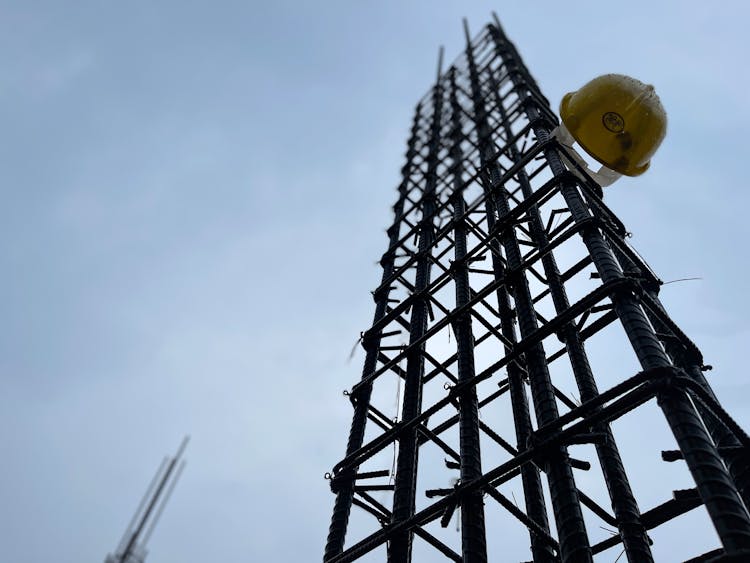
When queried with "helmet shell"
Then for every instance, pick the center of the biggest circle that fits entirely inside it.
(618, 120)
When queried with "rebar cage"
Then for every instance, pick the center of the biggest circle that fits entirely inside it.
(503, 264)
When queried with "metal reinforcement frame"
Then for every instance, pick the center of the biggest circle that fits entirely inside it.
(503, 263)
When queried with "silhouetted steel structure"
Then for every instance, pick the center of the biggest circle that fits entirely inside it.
(501, 264)
(132, 547)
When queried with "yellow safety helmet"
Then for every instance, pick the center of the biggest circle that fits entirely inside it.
(618, 120)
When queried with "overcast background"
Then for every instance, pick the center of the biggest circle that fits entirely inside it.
(194, 196)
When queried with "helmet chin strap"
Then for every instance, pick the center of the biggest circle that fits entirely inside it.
(605, 176)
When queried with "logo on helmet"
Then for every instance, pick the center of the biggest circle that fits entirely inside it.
(613, 121)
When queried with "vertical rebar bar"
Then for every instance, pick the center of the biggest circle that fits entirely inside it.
(473, 541)
(530, 477)
(404, 495)
(736, 459)
(571, 528)
(687, 357)
(345, 487)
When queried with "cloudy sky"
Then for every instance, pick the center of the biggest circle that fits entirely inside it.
(195, 196)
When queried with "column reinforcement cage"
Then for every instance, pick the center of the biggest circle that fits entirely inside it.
(492, 236)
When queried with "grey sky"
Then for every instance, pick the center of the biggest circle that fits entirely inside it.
(194, 199)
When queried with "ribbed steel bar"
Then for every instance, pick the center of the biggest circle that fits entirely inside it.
(404, 495)
(573, 539)
(686, 355)
(345, 481)
(624, 505)
(473, 540)
(735, 456)
(715, 486)
(530, 478)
